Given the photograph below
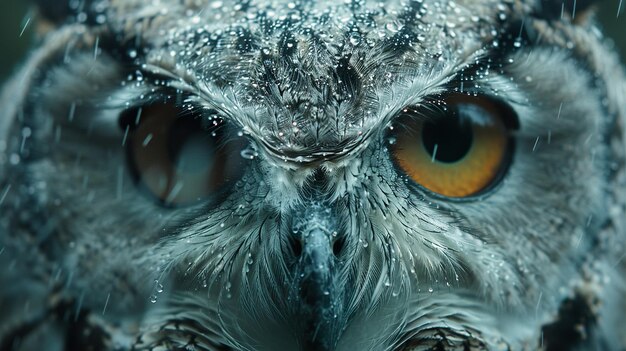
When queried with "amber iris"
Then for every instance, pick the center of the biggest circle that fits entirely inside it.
(179, 157)
(458, 149)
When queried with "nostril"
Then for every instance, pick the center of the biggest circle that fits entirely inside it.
(296, 246)
(338, 246)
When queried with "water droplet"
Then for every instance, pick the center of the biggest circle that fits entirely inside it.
(248, 153)
(26, 132)
(355, 39)
(393, 27)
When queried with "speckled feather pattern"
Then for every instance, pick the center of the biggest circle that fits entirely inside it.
(313, 85)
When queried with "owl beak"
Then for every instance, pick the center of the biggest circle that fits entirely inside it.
(317, 286)
(316, 267)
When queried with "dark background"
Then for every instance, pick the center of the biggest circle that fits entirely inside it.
(14, 15)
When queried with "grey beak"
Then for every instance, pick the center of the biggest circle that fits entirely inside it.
(316, 282)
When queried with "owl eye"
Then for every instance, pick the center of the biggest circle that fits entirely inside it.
(180, 157)
(458, 147)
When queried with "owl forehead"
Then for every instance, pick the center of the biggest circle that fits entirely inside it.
(303, 11)
(306, 76)
(278, 24)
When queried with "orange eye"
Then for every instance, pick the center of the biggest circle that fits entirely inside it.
(457, 149)
(179, 157)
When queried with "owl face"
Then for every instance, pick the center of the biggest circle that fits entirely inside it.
(286, 175)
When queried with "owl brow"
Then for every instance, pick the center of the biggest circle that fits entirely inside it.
(463, 81)
(187, 102)
(472, 77)
(161, 95)
(158, 84)
(170, 82)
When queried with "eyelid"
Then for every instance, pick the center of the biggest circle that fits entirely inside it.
(496, 105)
(101, 117)
(163, 96)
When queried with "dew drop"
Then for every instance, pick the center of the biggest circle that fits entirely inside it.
(248, 154)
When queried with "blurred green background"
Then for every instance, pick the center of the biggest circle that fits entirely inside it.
(16, 30)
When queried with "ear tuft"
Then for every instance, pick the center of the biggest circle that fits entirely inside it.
(557, 9)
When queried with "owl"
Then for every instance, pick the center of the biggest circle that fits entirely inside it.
(262, 175)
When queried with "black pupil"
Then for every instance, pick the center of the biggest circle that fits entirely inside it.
(448, 139)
